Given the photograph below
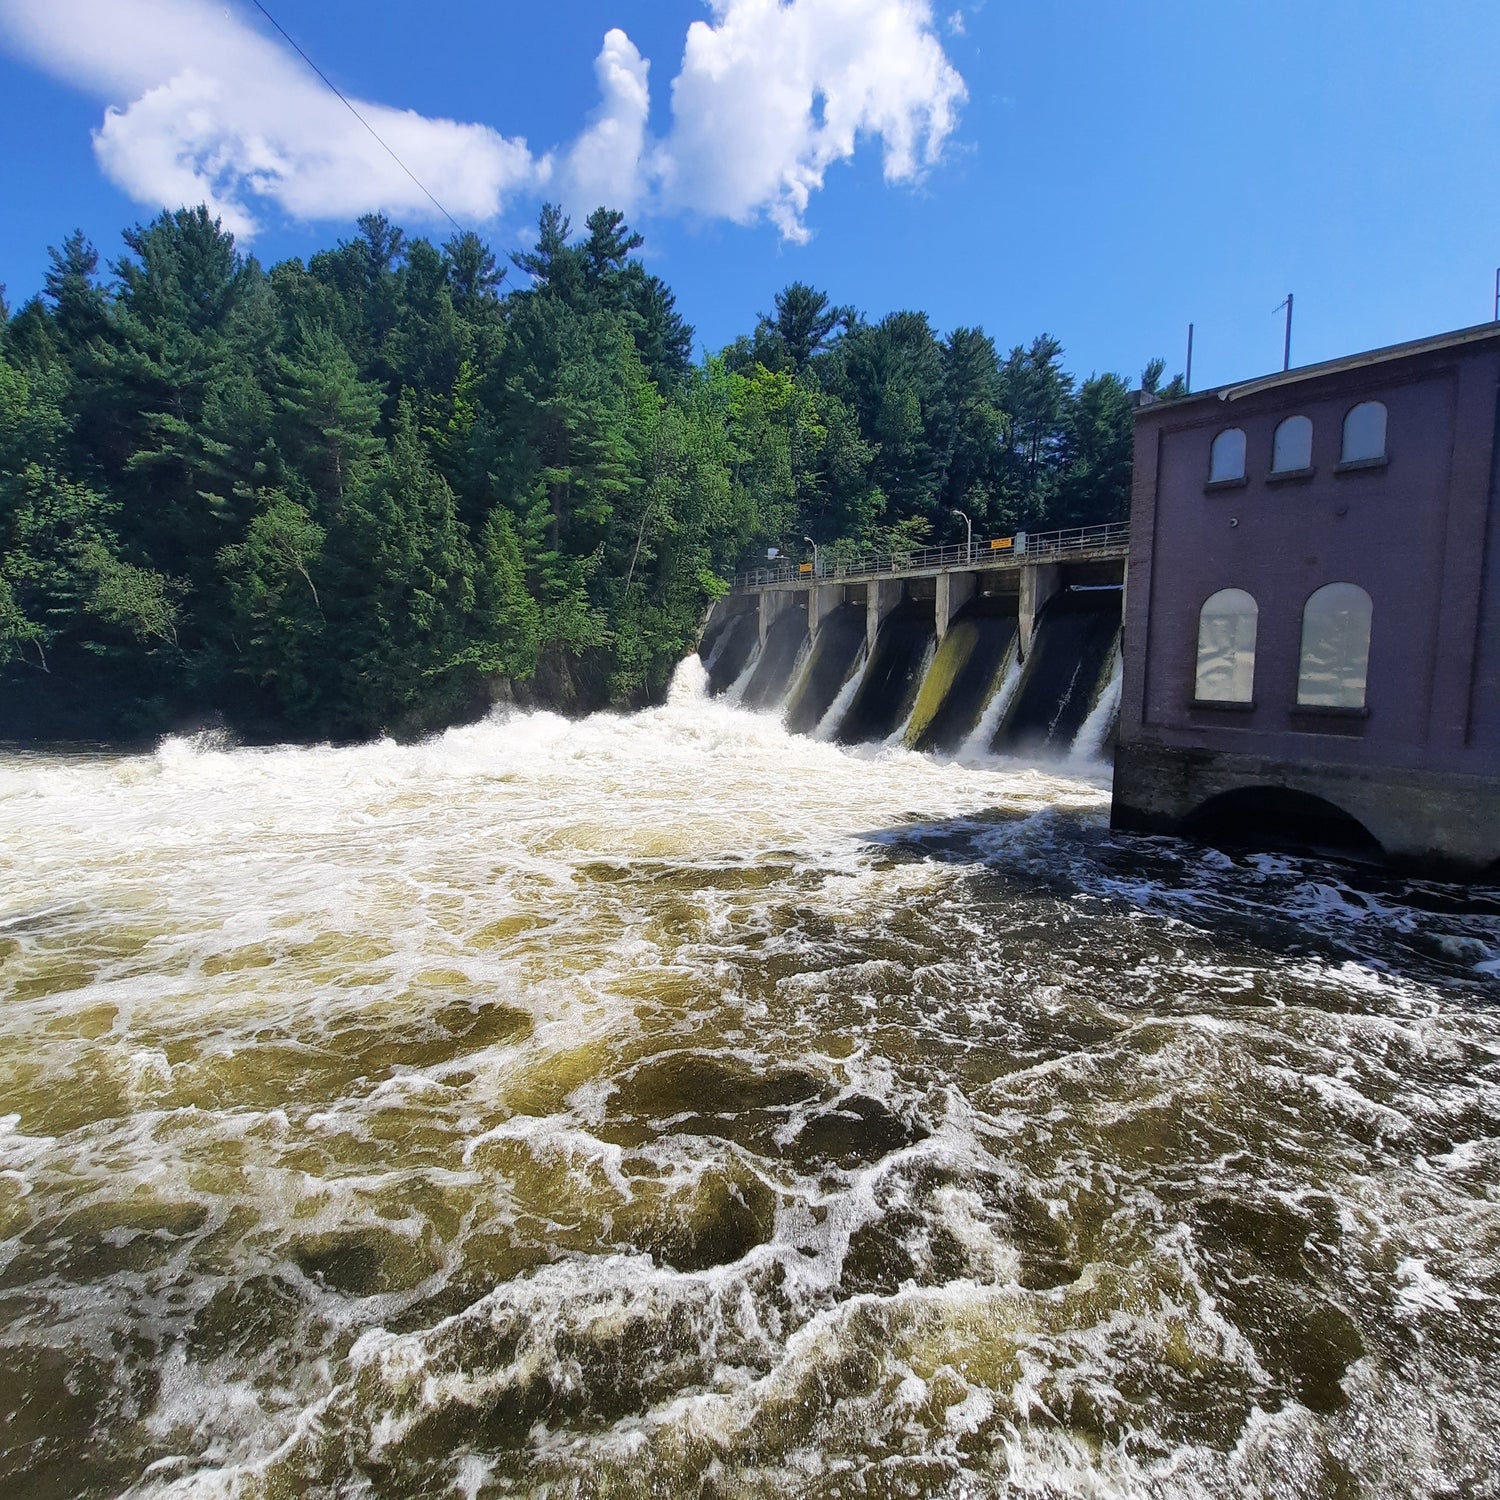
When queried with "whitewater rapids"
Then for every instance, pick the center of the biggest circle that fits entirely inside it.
(667, 1105)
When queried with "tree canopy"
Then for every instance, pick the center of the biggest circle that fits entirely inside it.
(373, 491)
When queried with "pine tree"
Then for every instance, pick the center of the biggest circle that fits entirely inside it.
(401, 592)
(328, 415)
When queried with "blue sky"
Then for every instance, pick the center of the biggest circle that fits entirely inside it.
(1100, 171)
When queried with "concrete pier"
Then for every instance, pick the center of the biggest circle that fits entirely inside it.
(954, 590)
(881, 598)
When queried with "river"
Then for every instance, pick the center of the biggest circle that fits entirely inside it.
(665, 1105)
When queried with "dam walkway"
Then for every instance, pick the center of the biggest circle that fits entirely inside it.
(1109, 542)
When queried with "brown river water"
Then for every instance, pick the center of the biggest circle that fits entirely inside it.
(664, 1105)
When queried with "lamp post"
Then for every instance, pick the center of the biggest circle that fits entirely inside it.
(968, 533)
(814, 546)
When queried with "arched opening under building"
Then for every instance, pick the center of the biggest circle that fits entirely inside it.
(1274, 817)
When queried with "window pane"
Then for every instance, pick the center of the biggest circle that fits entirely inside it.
(1364, 432)
(1335, 647)
(1227, 460)
(1293, 445)
(1226, 648)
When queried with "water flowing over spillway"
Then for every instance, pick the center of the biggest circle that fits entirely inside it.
(836, 654)
(1076, 641)
(786, 641)
(672, 1105)
(894, 674)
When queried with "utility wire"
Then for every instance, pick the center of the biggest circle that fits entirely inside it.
(347, 105)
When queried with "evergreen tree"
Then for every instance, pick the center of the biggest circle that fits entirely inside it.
(473, 275)
(554, 266)
(343, 496)
(327, 415)
(804, 323)
(79, 308)
(401, 576)
(1094, 455)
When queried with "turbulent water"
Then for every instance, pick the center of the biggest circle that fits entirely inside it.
(669, 1106)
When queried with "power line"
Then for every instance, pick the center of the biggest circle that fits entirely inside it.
(347, 105)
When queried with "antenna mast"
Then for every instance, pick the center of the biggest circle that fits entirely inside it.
(1286, 348)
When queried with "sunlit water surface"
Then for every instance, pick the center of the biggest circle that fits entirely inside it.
(666, 1106)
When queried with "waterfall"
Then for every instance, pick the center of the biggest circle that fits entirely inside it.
(898, 735)
(1089, 742)
(797, 675)
(1075, 638)
(690, 681)
(736, 690)
(828, 725)
(721, 639)
(977, 746)
(778, 657)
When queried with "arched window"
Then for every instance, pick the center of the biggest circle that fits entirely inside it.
(1335, 647)
(1292, 447)
(1226, 648)
(1226, 460)
(1364, 433)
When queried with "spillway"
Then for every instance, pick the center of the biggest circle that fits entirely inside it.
(965, 674)
(785, 642)
(835, 656)
(893, 677)
(727, 649)
(1072, 650)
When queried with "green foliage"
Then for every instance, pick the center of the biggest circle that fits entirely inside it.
(346, 495)
(327, 416)
(277, 612)
(130, 598)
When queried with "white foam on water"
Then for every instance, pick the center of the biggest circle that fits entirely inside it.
(914, 1133)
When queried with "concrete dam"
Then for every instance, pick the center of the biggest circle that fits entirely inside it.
(1010, 646)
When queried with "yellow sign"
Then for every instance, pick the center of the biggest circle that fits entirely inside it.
(1002, 544)
(805, 568)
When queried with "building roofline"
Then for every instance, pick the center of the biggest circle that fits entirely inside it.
(1458, 338)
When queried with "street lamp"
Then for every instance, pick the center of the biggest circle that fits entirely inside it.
(968, 533)
(814, 546)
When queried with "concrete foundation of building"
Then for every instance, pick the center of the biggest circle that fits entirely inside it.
(1426, 822)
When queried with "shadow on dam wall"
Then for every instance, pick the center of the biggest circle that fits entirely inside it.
(778, 659)
(726, 650)
(889, 686)
(835, 655)
(1071, 653)
(965, 673)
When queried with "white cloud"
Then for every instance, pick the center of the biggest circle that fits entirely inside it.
(771, 95)
(205, 108)
(610, 162)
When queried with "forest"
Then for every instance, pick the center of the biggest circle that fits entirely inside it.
(376, 492)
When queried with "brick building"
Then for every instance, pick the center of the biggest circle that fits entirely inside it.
(1312, 622)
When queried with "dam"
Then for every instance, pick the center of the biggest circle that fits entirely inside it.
(1009, 646)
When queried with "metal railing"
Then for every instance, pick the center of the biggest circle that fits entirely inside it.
(1023, 547)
